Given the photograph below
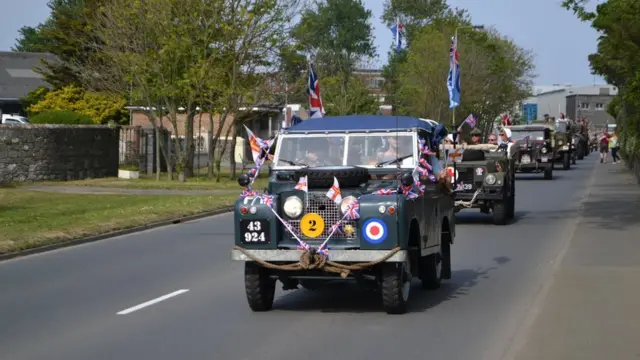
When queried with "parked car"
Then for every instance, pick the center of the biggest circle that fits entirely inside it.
(14, 119)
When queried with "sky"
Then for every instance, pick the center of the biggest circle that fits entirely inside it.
(559, 41)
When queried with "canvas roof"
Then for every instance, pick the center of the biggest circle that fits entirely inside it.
(360, 123)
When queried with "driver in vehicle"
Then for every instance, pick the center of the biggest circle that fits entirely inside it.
(319, 152)
(396, 151)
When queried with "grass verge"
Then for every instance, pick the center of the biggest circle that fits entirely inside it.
(145, 182)
(31, 219)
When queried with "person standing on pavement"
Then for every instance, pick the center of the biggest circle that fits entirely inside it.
(613, 145)
(604, 147)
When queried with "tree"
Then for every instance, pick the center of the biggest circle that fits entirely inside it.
(617, 60)
(495, 75)
(340, 34)
(357, 99)
(188, 54)
(64, 34)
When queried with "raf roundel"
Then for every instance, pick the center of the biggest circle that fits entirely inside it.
(374, 231)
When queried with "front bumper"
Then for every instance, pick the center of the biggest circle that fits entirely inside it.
(486, 194)
(334, 255)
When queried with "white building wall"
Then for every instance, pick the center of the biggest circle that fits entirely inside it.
(552, 103)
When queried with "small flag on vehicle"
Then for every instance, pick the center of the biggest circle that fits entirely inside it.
(302, 184)
(334, 193)
(471, 121)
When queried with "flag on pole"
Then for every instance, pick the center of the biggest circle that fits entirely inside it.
(256, 144)
(506, 120)
(313, 90)
(397, 30)
(453, 80)
(302, 184)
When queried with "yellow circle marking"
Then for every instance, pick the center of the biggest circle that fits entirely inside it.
(312, 225)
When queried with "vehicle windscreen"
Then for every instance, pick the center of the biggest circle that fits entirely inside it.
(305, 150)
(533, 135)
(381, 150)
(369, 150)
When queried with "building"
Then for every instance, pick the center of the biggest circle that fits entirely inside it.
(591, 103)
(566, 98)
(18, 78)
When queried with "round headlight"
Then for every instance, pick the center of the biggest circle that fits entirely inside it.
(490, 179)
(346, 202)
(560, 142)
(292, 206)
(544, 150)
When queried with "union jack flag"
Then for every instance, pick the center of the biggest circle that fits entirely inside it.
(411, 195)
(420, 187)
(313, 90)
(422, 171)
(247, 192)
(267, 200)
(386, 192)
(471, 120)
(425, 164)
(353, 212)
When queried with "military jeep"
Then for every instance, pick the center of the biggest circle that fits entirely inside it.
(389, 224)
(534, 153)
(484, 179)
(563, 144)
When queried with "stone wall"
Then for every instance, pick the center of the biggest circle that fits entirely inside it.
(57, 152)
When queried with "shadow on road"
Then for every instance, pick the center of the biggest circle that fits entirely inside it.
(349, 298)
(475, 217)
(535, 177)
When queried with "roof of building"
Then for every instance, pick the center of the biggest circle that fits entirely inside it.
(593, 90)
(360, 123)
(17, 75)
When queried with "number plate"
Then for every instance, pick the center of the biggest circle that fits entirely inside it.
(544, 159)
(254, 232)
(525, 159)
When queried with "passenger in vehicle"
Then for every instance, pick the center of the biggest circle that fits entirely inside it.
(492, 139)
(476, 136)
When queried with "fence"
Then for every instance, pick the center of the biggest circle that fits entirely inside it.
(138, 148)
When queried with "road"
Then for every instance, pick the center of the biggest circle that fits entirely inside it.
(64, 304)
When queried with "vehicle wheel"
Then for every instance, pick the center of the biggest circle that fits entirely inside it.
(499, 213)
(581, 153)
(573, 159)
(396, 285)
(309, 284)
(431, 267)
(511, 209)
(566, 161)
(548, 173)
(259, 286)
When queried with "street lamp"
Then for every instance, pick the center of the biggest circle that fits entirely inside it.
(455, 37)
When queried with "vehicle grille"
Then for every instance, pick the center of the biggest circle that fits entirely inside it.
(320, 204)
(465, 175)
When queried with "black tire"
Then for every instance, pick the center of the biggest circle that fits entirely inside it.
(580, 152)
(395, 293)
(431, 270)
(511, 207)
(499, 213)
(548, 173)
(260, 288)
(322, 177)
(566, 161)
(573, 158)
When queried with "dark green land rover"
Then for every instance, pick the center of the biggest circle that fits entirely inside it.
(351, 198)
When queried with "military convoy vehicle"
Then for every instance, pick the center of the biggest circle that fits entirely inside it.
(534, 152)
(350, 198)
(563, 144)
(484, 178)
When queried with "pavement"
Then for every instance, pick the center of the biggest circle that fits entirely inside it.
(557, 283)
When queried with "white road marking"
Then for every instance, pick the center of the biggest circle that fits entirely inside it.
(151, 302)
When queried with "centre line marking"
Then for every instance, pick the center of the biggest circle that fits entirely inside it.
(151, 302)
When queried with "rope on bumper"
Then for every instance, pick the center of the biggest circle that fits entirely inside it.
(469, 203)
(311, 260)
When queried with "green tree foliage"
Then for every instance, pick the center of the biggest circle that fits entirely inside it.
(618, 60)
(340, 34)
(495, 75)
(100, 108)
(65, 34)
(34, 97)
(356, 99)
(61, 117)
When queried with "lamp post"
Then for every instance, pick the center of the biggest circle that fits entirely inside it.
(455, 37)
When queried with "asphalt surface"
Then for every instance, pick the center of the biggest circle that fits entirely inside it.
(64, 304)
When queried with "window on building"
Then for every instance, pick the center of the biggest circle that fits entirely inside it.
(584, 106)
(599, 106)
